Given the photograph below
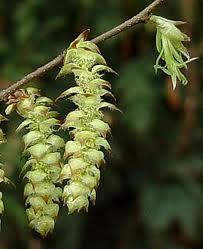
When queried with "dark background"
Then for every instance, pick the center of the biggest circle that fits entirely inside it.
(151, 191)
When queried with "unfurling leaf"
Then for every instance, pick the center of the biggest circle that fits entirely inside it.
(169, 43)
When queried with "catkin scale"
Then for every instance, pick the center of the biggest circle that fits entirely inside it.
(84, 154)
(43, 165)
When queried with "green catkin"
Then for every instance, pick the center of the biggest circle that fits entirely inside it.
(43, 165)
(169, 43)
(3, 179)
(83, 154)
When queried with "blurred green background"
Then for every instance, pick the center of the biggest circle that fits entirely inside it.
(151, 190)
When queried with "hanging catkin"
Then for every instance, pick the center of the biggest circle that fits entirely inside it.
(84, 154)
(44, 159)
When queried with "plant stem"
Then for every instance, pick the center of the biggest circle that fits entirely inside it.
(141, 17)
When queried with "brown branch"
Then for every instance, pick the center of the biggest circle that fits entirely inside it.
(142, 17)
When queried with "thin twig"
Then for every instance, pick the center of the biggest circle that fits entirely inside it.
(142, 17)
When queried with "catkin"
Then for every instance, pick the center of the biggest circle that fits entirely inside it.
(3, 179)
(169, 43)
(84, 154)
(43, 164)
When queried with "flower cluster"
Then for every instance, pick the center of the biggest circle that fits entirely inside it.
(84, 154)
(169, 43)
(3, 179)
(43, 165)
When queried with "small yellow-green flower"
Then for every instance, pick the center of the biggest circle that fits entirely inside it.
(169, 43)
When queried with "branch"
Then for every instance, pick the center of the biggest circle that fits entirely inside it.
(142, 17)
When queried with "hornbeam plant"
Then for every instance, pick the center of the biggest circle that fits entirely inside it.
(84, 154)
(43, 163)
(74, 178)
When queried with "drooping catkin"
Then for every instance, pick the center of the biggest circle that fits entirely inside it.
(169, 43)
(43, 164)
(3, 179)
(84, 154)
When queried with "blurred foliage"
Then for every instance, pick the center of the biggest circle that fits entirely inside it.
(151, 191)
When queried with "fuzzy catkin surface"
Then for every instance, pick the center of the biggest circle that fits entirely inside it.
(84, 154)
(43, 164)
